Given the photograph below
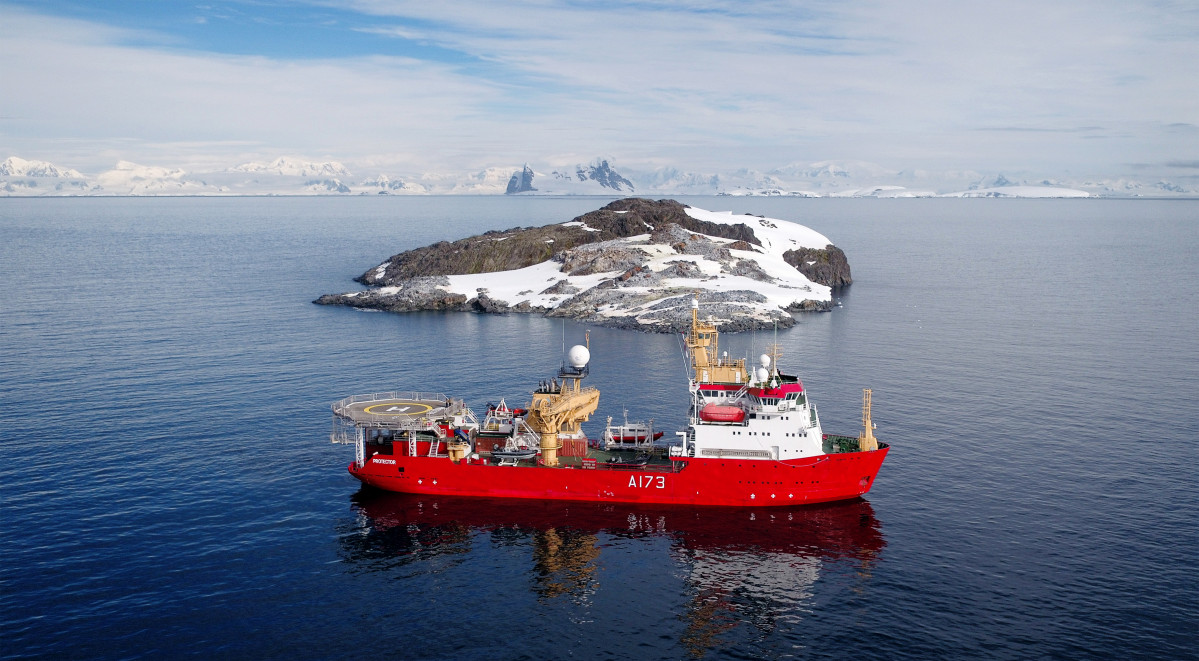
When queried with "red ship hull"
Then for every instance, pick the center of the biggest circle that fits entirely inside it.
(706, 481)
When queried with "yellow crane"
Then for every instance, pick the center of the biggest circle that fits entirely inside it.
(561, 407)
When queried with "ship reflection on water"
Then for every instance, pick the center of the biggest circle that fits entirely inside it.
(739, 566)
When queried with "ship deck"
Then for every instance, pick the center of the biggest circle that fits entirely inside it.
(608, 460)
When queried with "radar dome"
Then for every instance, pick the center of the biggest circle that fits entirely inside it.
(578, 356)
(763, 374)
(764, 360)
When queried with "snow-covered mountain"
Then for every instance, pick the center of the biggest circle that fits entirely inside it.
(666, 178)
(293, 167)
(386, 184)
(830, 170)
(1021, 191)
(327, 186)
(595, 178)
(19, 167)
(603, 175)
(133, 179)
(862, 179)
(19, 177)
(521, 182)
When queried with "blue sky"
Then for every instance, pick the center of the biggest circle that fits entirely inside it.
(281, 30)
(1071, 88)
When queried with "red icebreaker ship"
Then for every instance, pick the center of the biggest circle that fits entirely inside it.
(753, 438)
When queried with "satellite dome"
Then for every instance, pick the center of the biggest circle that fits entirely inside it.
(764, 360)
(578, 356)
(763, 374)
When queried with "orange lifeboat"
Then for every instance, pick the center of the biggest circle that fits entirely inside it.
(718, 413)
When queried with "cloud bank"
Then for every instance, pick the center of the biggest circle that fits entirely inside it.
(1075, 88)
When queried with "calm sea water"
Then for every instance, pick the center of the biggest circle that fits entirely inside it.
(167, 487)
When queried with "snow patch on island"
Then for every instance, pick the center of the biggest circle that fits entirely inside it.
(757, 283)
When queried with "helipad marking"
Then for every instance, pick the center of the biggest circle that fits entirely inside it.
(398, 408)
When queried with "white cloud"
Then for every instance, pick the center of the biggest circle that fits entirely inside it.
(75, 94)
(1065, 86)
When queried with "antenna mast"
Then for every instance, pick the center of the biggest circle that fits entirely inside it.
(867, 442)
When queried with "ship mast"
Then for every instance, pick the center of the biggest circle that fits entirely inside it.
(706, 362)
(866, 441)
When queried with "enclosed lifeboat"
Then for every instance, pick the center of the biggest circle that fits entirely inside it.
(721, 413)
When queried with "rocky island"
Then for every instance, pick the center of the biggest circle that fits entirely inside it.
(634, 263)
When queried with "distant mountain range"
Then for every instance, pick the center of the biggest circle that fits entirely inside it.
(295, 176)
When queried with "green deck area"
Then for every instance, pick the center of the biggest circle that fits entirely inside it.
(834, 443)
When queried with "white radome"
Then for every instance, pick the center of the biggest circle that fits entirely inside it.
(578, 356)
(764, 360)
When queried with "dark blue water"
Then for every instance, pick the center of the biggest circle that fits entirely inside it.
(167, 487)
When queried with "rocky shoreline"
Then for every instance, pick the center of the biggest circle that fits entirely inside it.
(633, 264)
